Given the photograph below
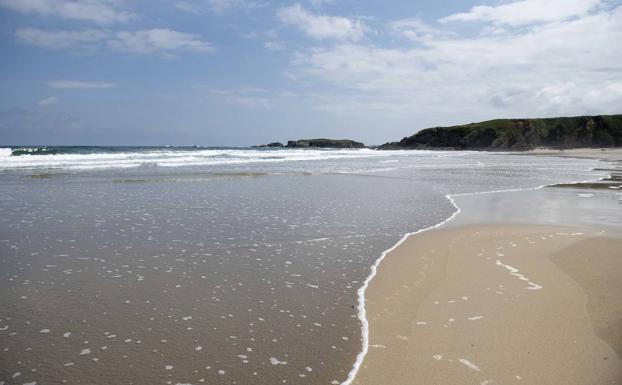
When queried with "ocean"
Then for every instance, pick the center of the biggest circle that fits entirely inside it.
(166, 265)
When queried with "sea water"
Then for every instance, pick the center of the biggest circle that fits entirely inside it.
(160, 265)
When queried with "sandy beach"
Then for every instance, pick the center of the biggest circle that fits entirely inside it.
(521, 287)
(613, 154)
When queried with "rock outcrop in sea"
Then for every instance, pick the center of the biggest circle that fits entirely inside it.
(322, 142)
(326, 143)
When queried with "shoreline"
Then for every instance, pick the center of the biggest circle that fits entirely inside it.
(362, 312)
(613, 157)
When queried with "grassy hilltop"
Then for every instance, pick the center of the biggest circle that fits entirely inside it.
(520, 134)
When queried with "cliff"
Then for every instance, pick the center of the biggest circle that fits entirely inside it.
(519, 134)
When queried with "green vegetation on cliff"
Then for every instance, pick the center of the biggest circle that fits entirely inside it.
(520, 134)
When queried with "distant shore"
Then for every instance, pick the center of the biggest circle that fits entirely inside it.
(521, 287)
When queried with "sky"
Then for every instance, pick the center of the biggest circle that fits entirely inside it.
(238, 73)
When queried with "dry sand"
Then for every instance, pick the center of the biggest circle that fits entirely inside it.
(486, 304)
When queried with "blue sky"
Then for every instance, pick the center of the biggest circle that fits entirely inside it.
(234, 72)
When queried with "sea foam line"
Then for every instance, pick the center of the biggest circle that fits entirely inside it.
(362, 313)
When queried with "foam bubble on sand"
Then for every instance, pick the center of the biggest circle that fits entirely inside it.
(221, 372)
(275, 361)
(198, 348)
(85, 351)
(533, 286)
(66, 335)
(168, 367)
(515, 272)
(468, 363)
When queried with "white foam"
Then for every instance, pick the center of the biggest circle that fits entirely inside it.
(515, 272)
(276, 361)
(176, 158)
(469, 364)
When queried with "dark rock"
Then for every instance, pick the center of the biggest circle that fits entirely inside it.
(325, 143)
(519, 134)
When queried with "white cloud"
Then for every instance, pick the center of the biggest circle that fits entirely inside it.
(221, 5)
(187, 7)
(60, 39)
(157, 41)
(526, 12)
(318, 3)
(274, 45)
(416, 30)
(47, 101)
(559, 68)
(78, 84)
(98, 11)
(322, 26)
(215, 6)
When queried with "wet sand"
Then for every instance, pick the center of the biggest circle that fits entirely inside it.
(614, 153)
(485, 304)
(505, 294)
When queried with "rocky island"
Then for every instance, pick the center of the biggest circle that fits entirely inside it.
(322, 142)
(519, 134)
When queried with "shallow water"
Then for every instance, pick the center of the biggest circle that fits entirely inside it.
(198, 272)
